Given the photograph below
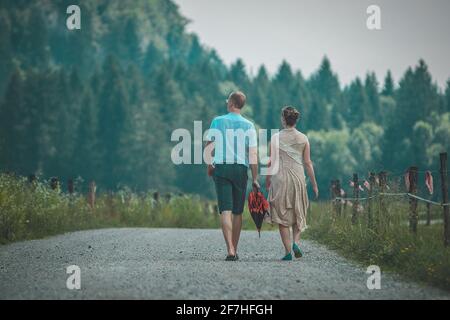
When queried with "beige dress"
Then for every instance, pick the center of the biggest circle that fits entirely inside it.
(288, 197)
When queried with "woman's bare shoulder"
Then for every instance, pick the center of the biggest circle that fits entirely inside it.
(301, 137)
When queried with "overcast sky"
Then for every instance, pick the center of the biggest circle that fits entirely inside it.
(303, 31)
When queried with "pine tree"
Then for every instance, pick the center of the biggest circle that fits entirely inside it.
(217, 64)
(319, 116)
(176, 42)
(301, 99)
(13, 120)
(284, 76)
(112, 122)
(325, 82)
(95, 85)
(61, 118)
(135, 86)
(358, 108)
(238, 75)
(169, 97)
(282, 87)
(325, 94)
(201, 80)
(389, 86)
(417, 98)
(68, 93)
(6, 53)
(36, 39)
(373, 98)
(86, 157)
(42, 104)
(447, 97)
(151, 168)
(131, 42)
(259, 97)
(153, 58)
(196, 52)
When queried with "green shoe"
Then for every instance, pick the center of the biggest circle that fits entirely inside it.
(232, 258)
(297, 251)
(288, 257)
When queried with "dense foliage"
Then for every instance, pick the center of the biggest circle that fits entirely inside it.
(102, 102)
(34, 210)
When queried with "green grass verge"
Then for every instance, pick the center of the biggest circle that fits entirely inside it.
(388, 244)
(32, 211)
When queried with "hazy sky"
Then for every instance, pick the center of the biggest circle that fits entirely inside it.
(303, 31)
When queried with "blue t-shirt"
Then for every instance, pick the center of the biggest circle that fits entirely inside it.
(232, 135)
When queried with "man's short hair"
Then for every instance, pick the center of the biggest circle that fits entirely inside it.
(238, 99)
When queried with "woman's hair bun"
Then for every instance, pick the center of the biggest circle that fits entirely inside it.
(290, 115)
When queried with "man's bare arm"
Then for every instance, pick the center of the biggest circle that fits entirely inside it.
(253, 158)
(209, 154)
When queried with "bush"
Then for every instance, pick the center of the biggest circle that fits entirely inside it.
(33, 210)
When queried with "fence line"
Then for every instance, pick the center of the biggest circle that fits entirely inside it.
(395, 195)
(402, 174)
(412, 184)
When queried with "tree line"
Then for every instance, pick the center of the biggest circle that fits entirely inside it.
(102, 102)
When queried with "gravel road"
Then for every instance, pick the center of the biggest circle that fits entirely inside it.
(186, 264)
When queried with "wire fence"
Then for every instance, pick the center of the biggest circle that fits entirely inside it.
(384, 194)
(378, 186)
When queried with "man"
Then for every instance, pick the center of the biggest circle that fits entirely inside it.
(232, 139)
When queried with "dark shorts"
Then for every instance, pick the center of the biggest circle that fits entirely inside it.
(231, 187)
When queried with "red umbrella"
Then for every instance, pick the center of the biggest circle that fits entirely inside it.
(258, 207)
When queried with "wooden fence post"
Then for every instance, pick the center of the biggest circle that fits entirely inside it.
(70, 186)
(444, 184)
(382, 178)
(54, 183)
(332, 192)
(338, 193)
(356, 196)
(413, 218)
(333, 196)
(32, 179)
(91, 194)
(206, 208)
(344, 209)
(371, 193)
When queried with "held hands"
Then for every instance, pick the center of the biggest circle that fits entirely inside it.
(256, 184)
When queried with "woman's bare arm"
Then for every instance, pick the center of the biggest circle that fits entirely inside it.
(310, 168)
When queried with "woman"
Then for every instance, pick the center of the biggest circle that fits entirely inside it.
(290, 155)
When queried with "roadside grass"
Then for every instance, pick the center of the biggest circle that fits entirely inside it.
(389, 244)
(32, 211)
